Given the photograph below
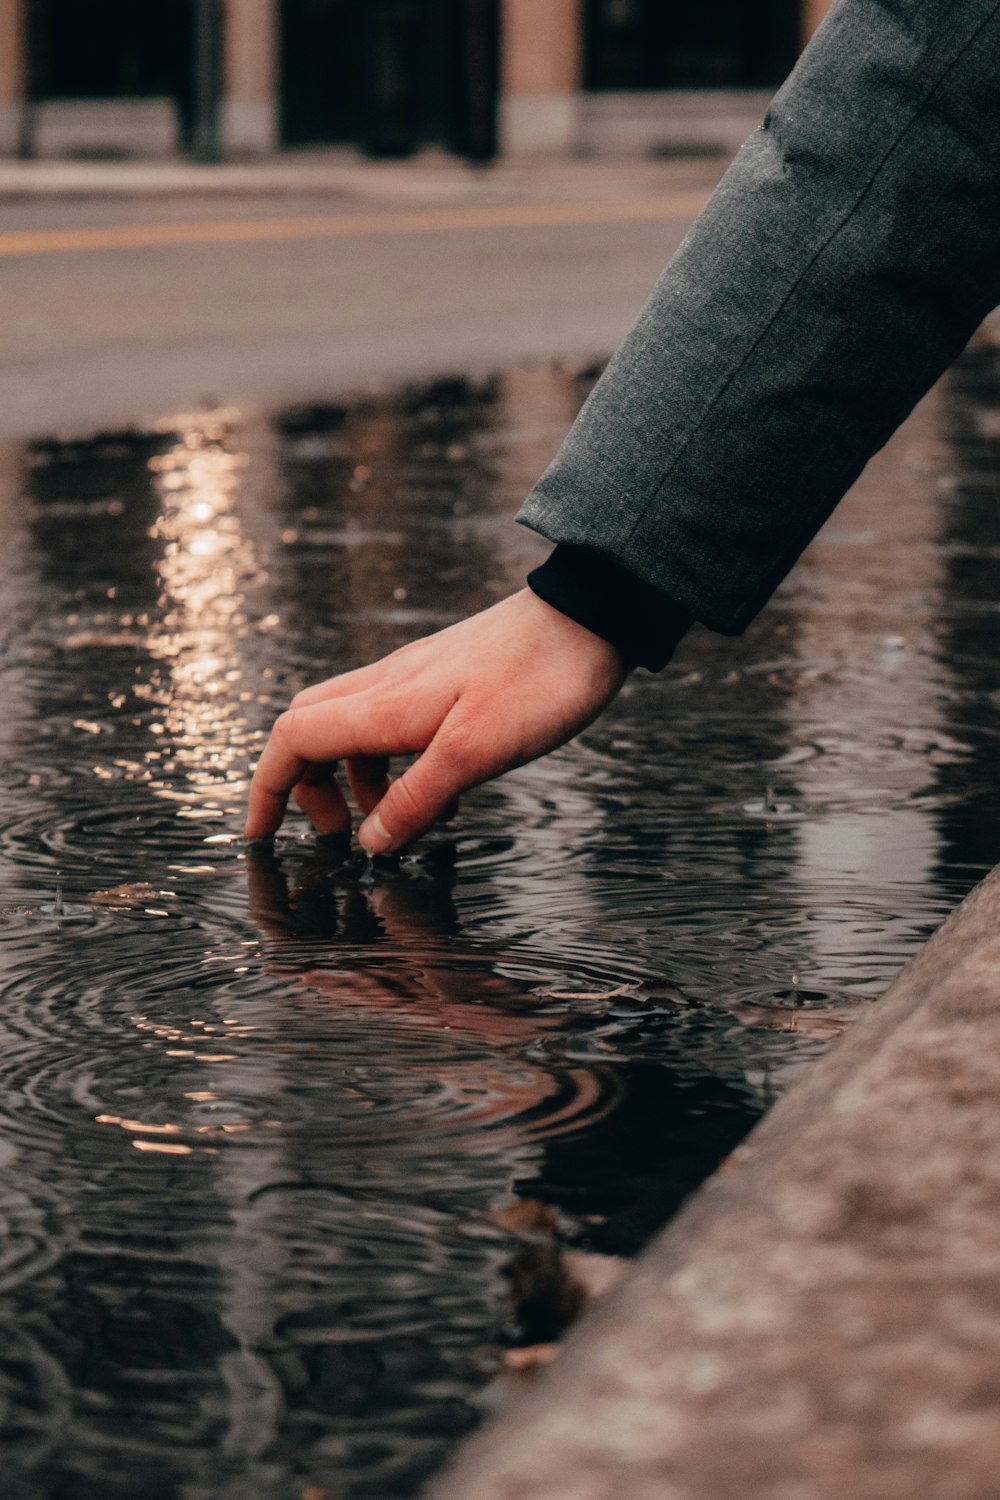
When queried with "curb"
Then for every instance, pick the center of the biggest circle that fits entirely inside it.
(823, 1319)
(336, 175)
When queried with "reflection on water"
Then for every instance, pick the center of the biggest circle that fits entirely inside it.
(257, 1114)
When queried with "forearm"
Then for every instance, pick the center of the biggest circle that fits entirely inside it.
(842, 264)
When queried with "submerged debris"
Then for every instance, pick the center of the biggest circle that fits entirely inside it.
(550, 1284)
(623, 989)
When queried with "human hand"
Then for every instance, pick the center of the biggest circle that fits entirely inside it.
(475, 700)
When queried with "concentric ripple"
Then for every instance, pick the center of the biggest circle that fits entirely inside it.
(259, 1109)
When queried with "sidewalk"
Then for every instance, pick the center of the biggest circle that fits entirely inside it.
(430, 177)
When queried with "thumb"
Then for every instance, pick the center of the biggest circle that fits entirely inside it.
(423, 794)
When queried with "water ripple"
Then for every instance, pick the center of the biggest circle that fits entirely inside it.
(258, 1112)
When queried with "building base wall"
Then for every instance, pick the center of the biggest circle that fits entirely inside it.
(539, 123)
(146, 128)
(11, 116)
(669, 122)
(248, 127)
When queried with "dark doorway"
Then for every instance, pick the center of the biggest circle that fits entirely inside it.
(391, 76)
(646, 44)
(109, 49)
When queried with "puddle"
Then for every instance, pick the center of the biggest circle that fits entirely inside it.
(261, 1112)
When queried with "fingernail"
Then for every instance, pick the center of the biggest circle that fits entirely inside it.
(373, 837)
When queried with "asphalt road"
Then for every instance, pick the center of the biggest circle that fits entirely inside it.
(122, 311)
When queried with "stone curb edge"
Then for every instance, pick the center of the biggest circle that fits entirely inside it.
(823, 1318)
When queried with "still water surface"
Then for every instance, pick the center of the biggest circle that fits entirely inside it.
(254, 1111)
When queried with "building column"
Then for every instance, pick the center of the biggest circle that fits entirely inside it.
(248, 117)
(13, 74)
(541, 72)
(813, 12)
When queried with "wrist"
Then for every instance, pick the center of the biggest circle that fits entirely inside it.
(605, 598)
(557, 627)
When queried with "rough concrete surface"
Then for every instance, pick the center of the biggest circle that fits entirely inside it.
(823, 1320)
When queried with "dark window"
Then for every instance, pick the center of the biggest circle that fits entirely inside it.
(653, 44)
(95, 49)
(390, 75)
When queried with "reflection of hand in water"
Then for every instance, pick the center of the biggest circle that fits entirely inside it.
(412, 972)
(310, 908)
(410, 966)
(394, 948)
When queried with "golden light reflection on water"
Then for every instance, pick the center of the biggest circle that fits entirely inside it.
(206, 565)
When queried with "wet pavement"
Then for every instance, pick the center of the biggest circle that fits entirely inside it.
(257, 1115)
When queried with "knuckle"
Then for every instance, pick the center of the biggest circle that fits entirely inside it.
(386, 693)
(407, 650)
(284, 726)
(459, 748)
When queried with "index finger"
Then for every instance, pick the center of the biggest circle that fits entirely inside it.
(321, 732)
(273, 778)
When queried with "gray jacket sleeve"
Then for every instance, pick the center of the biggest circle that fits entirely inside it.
(843, 262)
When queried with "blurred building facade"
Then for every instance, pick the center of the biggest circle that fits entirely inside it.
(476, 77)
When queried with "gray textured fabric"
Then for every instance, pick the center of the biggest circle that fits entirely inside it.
(843, 262)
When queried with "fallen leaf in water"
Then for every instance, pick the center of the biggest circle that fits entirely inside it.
(663, 993)
(122, 897)
(526, 1216)
(549, 1285)
(623, 989)
(545, 1296)
(822, 1025)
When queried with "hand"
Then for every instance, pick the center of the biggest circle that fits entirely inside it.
(475, 700)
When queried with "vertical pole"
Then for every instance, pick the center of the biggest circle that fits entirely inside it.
(542, 71)
(250, 70)
(205, 56)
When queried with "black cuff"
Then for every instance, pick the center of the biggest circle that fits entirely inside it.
(605, 597)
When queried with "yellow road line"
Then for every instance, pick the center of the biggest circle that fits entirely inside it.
(342, 226)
